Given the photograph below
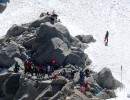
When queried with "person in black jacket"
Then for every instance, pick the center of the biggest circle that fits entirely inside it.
(106, 38)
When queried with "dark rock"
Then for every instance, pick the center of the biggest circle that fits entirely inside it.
(3, 77)
(58, 96)
(106, 80)
(27, 91)
(37, 23)
(53, 49)
(61, 81)
(85, 38)
(76, 57)
(2, 7)
(7, 54)
(48, 31)
(28, 44)
(11, 85)
(15, 30)
(5, 60)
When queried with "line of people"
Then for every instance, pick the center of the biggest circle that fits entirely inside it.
(39, 70)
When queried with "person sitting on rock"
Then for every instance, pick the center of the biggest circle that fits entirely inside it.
(84, 87)
(16, 69)
(48, 14)
(81, 74)
(87, 72)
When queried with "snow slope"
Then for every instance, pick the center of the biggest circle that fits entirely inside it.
(85, 17)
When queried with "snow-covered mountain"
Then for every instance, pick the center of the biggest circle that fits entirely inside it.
(85, 17)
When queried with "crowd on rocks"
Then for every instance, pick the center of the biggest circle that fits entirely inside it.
(54, 58)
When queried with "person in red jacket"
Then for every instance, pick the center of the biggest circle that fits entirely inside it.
(53, 64)
(29, 65)
(84, 87)
(54, 77)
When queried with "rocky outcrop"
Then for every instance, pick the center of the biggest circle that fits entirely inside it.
(26, 91)
(105, 79)
(86, 38)
(7, 53)
(2, 7)
(53, 49)
(15, 30)
(76, 57)
(11, 85)
(3, 77)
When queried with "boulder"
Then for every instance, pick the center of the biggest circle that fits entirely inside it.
(85, 38)
(3, 77)
(26, 91)
(48, 31)
(7, 54)
(5, 60)
(11, 85)
(68, 89)
(106, 80)
(28, 44)
(15, 30)
(76, 57)
(61, 81)
(37, 22)
(53, 49)
(2, 7)
(111, 93)
(75, 42)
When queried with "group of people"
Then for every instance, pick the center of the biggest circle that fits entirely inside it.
(85, 73)
(68, 74)
(37, 70)
(53, 17)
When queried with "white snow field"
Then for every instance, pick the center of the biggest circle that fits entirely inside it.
(85, 17)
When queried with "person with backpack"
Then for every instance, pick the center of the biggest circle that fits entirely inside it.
(106, 38)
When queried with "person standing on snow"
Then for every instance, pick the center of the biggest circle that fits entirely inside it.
(106, 38)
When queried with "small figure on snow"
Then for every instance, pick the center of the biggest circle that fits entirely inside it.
(106, 38)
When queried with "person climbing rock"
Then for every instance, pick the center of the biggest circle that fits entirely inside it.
(106, 38)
